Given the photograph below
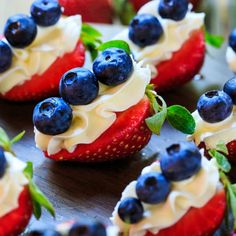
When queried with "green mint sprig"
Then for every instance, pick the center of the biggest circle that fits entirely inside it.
(177, 116)
(219, 153)
(115, 44)
(214, 40)
(38, 198)
(91, 38)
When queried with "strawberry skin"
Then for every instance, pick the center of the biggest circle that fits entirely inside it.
(183, 65)
(91, 10)
(16, 221)
(137, 4)
(232, 151)
(41, 86)
(199, 221)
(128, 135)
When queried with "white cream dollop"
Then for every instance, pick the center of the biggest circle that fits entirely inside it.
(231, 58)
(213, 134)
(193, 192)
(11, 184)
(175, 35)
(91, 120)
(50, 44)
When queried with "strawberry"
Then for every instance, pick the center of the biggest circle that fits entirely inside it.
(40, 86)
(91, 10)
(137, 4)
(128, 135)
(195, 3)
(199, 221)
(14, 223)
(183, 65)
(232, 151)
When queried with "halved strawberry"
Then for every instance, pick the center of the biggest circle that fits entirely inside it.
(183, 65)
(199, 221)
(16, 221)
(91, 10)
(128, 135)
(41, 86)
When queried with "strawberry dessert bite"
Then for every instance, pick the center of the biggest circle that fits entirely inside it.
(104, 114)
(18, 193)
(168, 36)
(231, 51)
(215, 120)
(37, 50)
(181, 194)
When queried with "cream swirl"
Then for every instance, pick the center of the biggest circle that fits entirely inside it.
(11, 184)
(193, 192)
(51, 43)
(91, 120)
(231, 58)
(212, 134)
(175, 35)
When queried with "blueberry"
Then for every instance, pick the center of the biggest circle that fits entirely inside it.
(44, 233)
(3, 162)
(214, 106)
(113, 66)
(152, 188)
(181, 161)
(52, 116)
(130, 210)
(230, 89)
(145, 30)
(6, 56)
(232, 40)
(87, 229)
(20, 30)
(79, 86)
(46, 12)
(173, 9)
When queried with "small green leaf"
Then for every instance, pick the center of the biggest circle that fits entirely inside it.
(115, 44)
(181, 119)
(214, 40)
(17, 138)
(221, 147)
(222, 161)
(28, 171)
(232, 198)
(91, 31)
(37, 209)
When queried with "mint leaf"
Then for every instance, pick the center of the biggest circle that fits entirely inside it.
(115, 44)
(17, 138)
(232, 200)
(37, 209)
(152, 95)
(181, 119)
(214, 40)
(221, 147)
(91, 31)
(222, 161)
(28, 171)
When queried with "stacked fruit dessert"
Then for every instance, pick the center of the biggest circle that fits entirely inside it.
(19, 196)
(181, 194)
(169, 37)
(215, 119)
(37, 50)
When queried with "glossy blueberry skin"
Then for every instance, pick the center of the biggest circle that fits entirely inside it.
(87, 229)
(230, 89)
(6, 56)
(181, 161)
(3, 162)
(20, 30)
(79, 86)
(46, 12)
(113, 66)
(173, 9)
(214, 106)
(152, 188)
(44, 233)
(145, 30)
(232, 39)
(130, 210)
(52, 116)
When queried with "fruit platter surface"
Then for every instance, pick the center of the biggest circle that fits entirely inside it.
(82, 190)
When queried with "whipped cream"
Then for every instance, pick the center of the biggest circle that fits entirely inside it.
(174, 36)
(212, 134)
(91, 120)
(231, 58)
(50, 44)
(193, 192)
(11, 184)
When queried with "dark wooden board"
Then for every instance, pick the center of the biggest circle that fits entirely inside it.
(78, 190)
